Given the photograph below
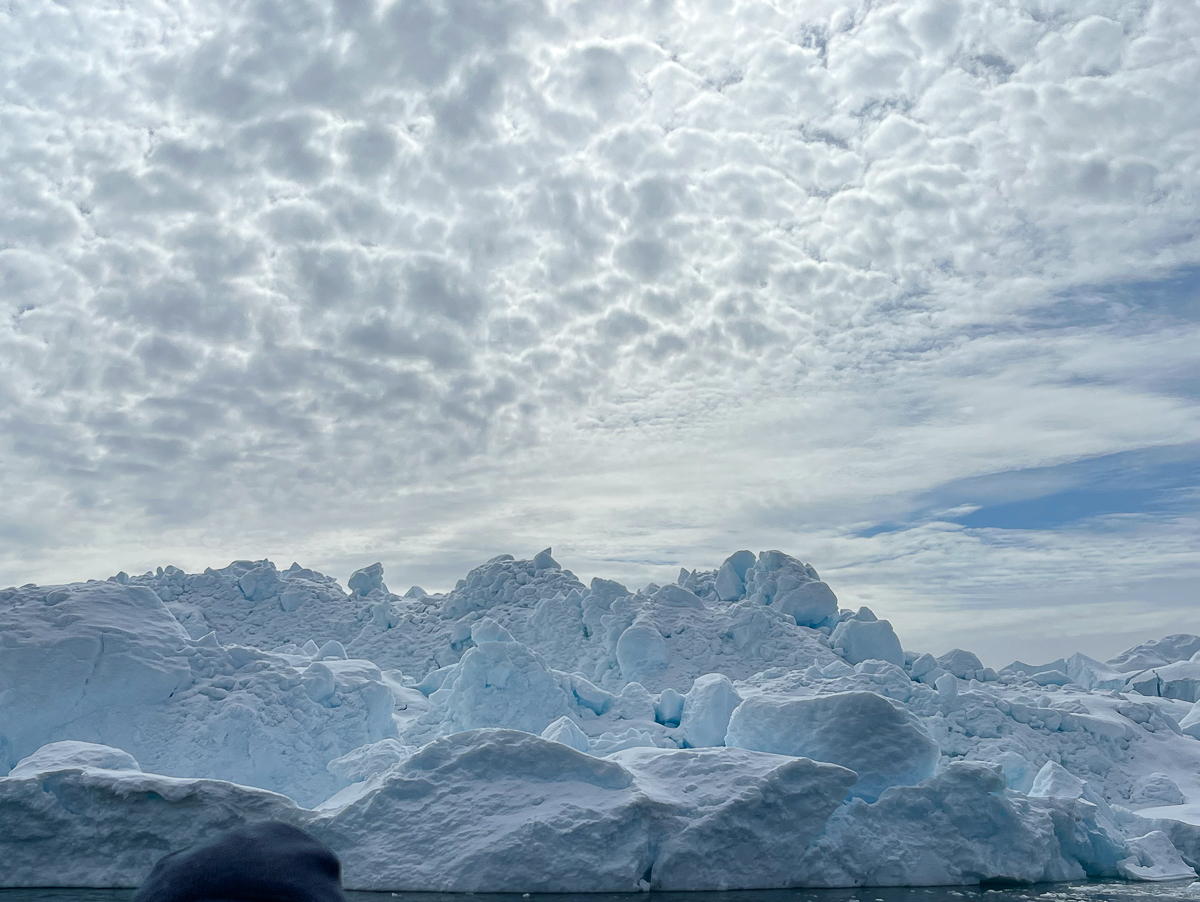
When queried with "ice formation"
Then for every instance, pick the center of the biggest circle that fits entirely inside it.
(527, 732)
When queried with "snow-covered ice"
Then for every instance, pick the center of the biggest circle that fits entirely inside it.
(527, 732)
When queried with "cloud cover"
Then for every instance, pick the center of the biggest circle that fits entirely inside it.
(426, 281)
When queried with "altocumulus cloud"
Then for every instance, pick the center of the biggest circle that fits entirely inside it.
(427, 281)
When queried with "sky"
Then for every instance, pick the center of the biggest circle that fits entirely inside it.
(910, 291)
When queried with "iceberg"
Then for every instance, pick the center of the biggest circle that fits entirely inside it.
(528, 732)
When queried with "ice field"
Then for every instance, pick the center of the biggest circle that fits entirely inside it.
(529, 733)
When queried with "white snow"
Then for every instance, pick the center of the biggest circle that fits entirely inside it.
(527, 732)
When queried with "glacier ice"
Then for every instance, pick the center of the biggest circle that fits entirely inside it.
(779, 580)
(1156, 789)
(880, 741)
(642, 653)
(957, 827)
(1157, 653)
(367, 580)
(107, 663)
(498, 684)
(1092, 674)
(526, 731)
(704, 720)
(567, 732)
(69, 753)
(368, 760)
(1054, 781)
(963, 664)
(859, 640)
(1190, 724)
(1180, 680)
(71, 824)
(1154, 857)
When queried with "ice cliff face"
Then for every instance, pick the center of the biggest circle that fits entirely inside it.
(528, 732)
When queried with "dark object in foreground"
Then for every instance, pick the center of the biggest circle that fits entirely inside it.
(264, 863)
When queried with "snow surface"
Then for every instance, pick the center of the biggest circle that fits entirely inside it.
(526, 732)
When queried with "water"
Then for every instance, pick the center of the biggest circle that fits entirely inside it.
(1184, 891)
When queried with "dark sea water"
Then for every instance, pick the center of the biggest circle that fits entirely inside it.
(1051, 892)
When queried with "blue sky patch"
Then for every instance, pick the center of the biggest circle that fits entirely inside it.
(1134, 304)
(1160, 481)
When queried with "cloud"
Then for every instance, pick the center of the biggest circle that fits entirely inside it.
(424, 280)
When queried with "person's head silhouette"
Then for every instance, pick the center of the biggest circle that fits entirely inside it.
(264, 863)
